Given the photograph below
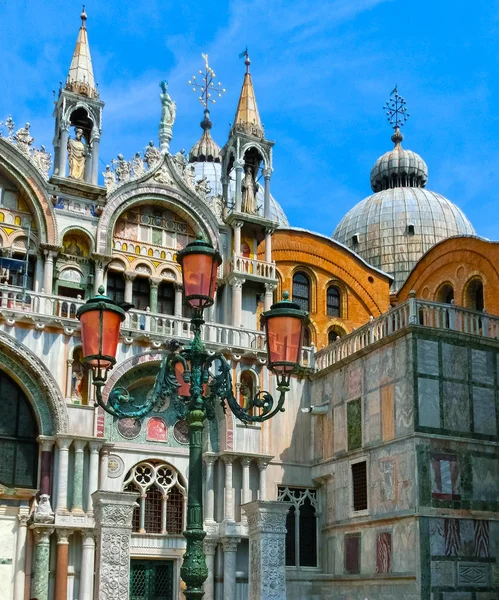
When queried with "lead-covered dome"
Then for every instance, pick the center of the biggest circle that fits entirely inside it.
(394, 227)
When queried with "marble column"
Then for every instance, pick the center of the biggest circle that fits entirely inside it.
(266, 193)
(154, 283)
(104, 465)
(262, 466)
(179, 298)
(40, 581)
(100, 263)
(269, 295)
(267, 544)
(87, 565)
(210, 549)
(46, 466)
(113, 517)
(93, 473)
(237, 238)
(79, 447)
(95, 160)
(230, 553)
(48, 271)
(62, 562)
(62, 474)
(63, 152)
(129, 278)
(237, 300)
(210, 488)
(20, 558)
(37, 284)
(69, 375)
(246, 492)
(238, 164)
(268, 245)
(229, 491)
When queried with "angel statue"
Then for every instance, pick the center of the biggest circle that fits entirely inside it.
(249, 193)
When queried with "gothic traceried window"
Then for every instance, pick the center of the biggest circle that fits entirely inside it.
(301, 525)
(161, 502)
(301, 291)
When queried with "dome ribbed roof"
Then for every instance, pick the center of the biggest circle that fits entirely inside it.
(205, 150)
(398, 168)
(394, 227)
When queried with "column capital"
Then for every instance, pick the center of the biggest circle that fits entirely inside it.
(210, 459)
(88, 537)
(50, 250)
(228, 458)
(210, 546)
(245, 461)
(270, 287)
(263, 463)
(63, 443)
(23, 520)
(102, 259)
(230, 544)
(155, 281)
(239, 164)
(63, 536)
(129, 275)
(42, 535)
(46, 442)
(267, 172)
(79, 445)
(237, 282)
(237, 224)
(94, 447)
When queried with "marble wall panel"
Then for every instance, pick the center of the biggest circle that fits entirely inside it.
(354, 424)
(337, 384)
(482, 366)
(404, 545)
(354, 380)
(456, 405)
(428, 357)
(339, 425)
(387, 368)
(457, 596)
(372, 371)
(485, 473)
(437, 538)
(484, 411)
(372, 418)
(455, 361)
(443, 573)
(369, 550)
(429, 402)
(404, 408)
(388, 412)
(403, 364)
(384, 552)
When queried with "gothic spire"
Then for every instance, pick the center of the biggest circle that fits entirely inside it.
(81, 74)
(247, 117)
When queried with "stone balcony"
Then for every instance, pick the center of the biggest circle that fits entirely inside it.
(254, 269)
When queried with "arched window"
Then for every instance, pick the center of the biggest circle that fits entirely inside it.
(301, 290)
(166, 298)
(474, 294)
(18, 433)
(141, 293)
(334, 334)
(247, 387)
(445, 294)
(333, 301)
(301, 526)
(116, 286)
(161, 502)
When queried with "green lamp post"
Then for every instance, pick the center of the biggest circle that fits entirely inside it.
(193, 379)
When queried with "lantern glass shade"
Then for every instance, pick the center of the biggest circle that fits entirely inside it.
(200, 278)
(100, 331)
(284, 342)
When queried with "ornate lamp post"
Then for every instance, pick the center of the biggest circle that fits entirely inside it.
(205, 376)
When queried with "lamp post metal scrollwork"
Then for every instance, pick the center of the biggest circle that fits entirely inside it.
(193, 379)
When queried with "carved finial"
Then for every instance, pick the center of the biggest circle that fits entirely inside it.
(101, 290)
(83, 16)
(207, 86)
(247, 61)
(285, 295)
(396, 112)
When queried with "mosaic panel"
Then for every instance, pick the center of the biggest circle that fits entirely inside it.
(484, 411)
(427, 357)
(429, 402)
(455, 361)
(456, 405)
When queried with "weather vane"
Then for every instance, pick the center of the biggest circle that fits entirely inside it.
(396, 110)
(207, 85)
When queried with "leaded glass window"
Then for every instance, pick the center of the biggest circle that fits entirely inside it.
(333, 301)
(301, 291)
(161, 502)
(18, 433)
(301, 526)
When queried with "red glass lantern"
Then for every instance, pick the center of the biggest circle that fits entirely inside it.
(100, 319)
(199, 262)
(284, 327)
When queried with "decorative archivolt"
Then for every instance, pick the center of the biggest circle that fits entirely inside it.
(159, 475)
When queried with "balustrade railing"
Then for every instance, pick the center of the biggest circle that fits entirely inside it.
(412, 312)
(252, 266)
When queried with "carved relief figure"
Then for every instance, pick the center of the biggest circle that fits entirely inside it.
(189, 176)
(109, 179)
(71, 247)
(122, 168)
(249, 193)
(168, 106)
(180, 161)
(76, 155)
(24, 139)
(151, 155)
(203, 188)
(138, 166)
(42, 159)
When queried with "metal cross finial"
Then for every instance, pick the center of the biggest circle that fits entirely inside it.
(207, 85)
(396, 110)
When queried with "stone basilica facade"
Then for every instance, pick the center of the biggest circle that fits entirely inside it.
(382, 475)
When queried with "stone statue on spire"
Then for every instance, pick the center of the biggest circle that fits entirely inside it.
(248, 204)
(77, 152)
(168, 114)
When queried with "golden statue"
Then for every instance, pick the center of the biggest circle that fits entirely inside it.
(248, 204)
(76, 155)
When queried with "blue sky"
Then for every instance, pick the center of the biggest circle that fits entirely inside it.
(322, 71)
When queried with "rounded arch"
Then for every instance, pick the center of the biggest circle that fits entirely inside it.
(117, 264)
(261, 150)
(473, 293)
(304, 292)
(445, 293)
(195, 213)
(336, 299)
(26, 178)
(142, 268)
(170, 274)
(37, 382)
(71, 229)
(334, 333)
